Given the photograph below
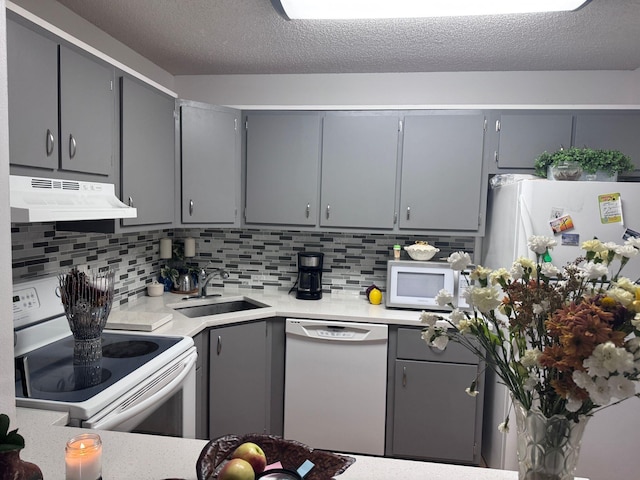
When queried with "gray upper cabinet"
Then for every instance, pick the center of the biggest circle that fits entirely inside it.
(87, 112)
(359, 167)
(282, 169)
(524, 136)
(442, 182)
(32, 69)
(210, 165)
(61, 106)
(610, 131)
(147, 135)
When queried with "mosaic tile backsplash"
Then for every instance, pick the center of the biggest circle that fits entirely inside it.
(254, 258)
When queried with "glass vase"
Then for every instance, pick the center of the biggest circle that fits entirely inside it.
(548, 448)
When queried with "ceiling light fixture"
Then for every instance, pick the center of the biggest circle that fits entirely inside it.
(363, 9)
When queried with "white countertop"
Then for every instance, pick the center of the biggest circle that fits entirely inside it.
(147, 457)
(338, 306)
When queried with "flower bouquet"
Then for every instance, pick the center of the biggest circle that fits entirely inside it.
(564, 342)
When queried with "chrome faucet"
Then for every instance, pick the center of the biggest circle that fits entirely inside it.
(205, 276)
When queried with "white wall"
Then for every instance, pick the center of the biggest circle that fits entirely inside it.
(590, 89)
(7, 382)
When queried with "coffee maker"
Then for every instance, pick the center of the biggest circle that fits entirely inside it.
(309, 283)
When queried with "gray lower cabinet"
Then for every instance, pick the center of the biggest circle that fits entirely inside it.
(359, 168)
(523, 136)
(201, 341)
(442, 183)
(147, 133)
(210, 165)
(432, 417)
(239, 399)
(282, 168)
(610, 131)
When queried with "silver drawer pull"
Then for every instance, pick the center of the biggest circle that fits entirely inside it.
(328, 211)
(404, 376)
(190, 207)
(130, 201)
(50, 142)
(72, 146)
(408, 213)
(219, 346)
(308, 210)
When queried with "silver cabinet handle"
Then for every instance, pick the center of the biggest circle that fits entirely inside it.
(130, 201)
(308, 209)
(328, 211)
(395, 217)
(404, 376)
(408, 213)
(72, 146)
(219, 346)
(50, 142)
(191, 207)
(498, 126)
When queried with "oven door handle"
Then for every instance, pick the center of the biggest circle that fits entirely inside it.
(143, 399)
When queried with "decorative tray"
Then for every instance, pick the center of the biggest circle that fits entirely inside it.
(290, 453)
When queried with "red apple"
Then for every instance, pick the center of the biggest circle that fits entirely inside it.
(252, 453)
(237, 469)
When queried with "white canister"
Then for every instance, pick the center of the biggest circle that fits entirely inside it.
(155, 289)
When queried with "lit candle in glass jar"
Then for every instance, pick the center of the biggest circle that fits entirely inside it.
(83, 457)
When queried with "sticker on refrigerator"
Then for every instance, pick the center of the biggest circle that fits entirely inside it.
(610, 208)
(628, 233)
(570, 239)
(561, 224)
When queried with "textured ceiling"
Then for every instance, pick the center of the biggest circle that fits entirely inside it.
(187, 37)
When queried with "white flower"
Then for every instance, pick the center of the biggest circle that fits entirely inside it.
(500, 274)
(636, 321)
(484, 299)
(627, 251)
(444, 298)
(633, 241)
(593, 271)
(440, 342)
(480, 273)
(599, 391)
(621, 387)
(573, 404)
(594, 245)
(503, 427)
(582, 379)
(471, 393)
(456, 316)
(464, 326)
(621, 295)
(531, 358)
(459, 260)
(542, 307)
(429, 318)
(539, 243)
(548, 269)
(530, 384)
(517, 271)
(607, 358)
(628, 285)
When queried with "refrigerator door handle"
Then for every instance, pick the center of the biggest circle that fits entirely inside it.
(527, 223)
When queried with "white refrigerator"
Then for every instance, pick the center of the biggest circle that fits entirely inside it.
(571, 212)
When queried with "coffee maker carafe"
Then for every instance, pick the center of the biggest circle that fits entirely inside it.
(309, 276)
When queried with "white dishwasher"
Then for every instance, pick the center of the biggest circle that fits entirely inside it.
(335, 385)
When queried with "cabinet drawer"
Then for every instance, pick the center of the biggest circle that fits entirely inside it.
(412, 347)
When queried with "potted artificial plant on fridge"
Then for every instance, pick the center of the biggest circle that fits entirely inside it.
(582, 164)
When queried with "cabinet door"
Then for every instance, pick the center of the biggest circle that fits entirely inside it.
(523, 137)
(201, 342)
(210, 165)
(610, 131)
(283, 158)
(238, 379)
(442, 172)
(148, 152)
(359, 163)
(32, 71)
(433, 416)
(87, 112)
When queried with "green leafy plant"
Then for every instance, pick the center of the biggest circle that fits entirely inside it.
(9, 440)
(591, 161)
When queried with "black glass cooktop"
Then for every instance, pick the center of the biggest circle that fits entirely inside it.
(49, 372)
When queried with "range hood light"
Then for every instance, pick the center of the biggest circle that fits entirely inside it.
(369, 9)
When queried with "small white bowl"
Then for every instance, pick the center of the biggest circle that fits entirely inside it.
(421, 251)
(155, 289)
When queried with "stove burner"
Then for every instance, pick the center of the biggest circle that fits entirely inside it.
(72, 379)
(128, 349)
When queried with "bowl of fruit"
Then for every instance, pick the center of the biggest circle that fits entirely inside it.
(250, 457)
(421, 251)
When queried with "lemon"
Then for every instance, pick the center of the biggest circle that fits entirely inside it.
(375, 297)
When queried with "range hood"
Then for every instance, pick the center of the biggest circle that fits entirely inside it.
(50, 200)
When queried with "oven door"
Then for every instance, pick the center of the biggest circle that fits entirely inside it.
(163, 404)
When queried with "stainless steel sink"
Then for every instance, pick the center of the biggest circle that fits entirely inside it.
(220, 306)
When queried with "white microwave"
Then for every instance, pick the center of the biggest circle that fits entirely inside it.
(415, 284)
